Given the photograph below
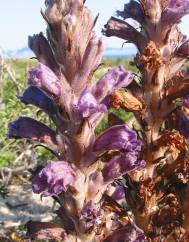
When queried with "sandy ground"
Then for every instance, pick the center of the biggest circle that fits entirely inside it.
(21, 206)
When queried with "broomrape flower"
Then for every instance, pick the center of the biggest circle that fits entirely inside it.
(45, 79)
(91, 215)
(92, 100)
(62, 86)
(54, 178)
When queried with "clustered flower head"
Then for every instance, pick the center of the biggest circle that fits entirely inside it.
(122, 185)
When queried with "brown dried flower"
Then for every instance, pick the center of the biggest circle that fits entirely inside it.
(124, 99)
(151, 57)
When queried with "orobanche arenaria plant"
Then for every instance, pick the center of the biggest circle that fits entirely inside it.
(130, 183)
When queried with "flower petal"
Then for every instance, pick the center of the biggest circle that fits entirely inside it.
(45, 231)
(132, 10)
(37, 97)
(129, 233)
(175, 11)
(40, 46)
(122, 138)
(91, 215)
(119, 193)
(90, 62)
(87, 104)
(121, 29)
(54, 178)
(183, 124)
(114, 79)
(31, 129)
(183, 50)
(44, 78)
(120, 165)
(186, 101)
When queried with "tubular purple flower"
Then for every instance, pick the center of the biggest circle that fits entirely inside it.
(87, 104)
(91, 215)
(54, 178)
(183, 50)
(44, 78)
(114, 79)
(90, 62)
(35, 96)
(31, 129)
(40, 46)
(130, 233)
(185, 101)
(122, 138)
(183, 124)
(175, 11)
(120, 165)
(119, 193)
(132, 10)
(121, 29)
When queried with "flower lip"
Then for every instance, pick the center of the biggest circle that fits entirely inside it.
(183, 124)
(29, 128)
(87, 104)
(175, 11)
(127, 233)
(91, 215)
(44, 78)
(55, 178)
(114, 79)
(37, 97)
(122, 138)
(132, 10)
(41, 48)
(120, 165)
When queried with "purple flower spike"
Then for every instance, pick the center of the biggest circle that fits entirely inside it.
(87, 104)
(114, 79)
(31, 129)
(122, 138)
(54, 178)
(45, 79)
(91, 215)
(120, 165)
(130, 233)
(35, 96)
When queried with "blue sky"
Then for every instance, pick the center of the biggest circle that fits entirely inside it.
(20, 18)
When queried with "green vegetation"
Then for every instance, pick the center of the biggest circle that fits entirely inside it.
(13, 79)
